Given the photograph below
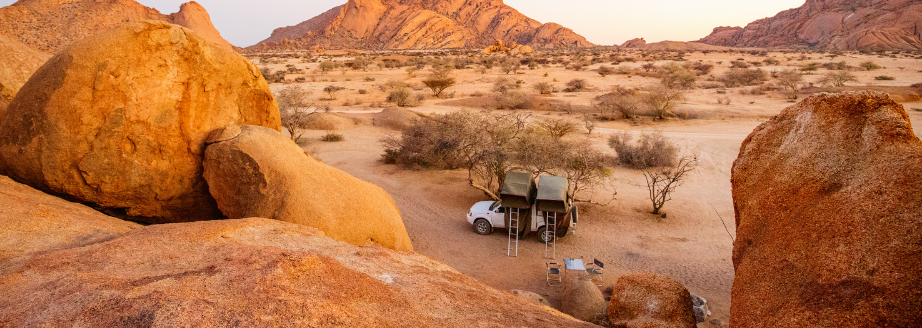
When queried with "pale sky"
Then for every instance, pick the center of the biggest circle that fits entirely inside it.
(603, 22)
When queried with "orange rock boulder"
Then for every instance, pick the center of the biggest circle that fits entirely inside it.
(643, 300)
(120, 119)
(17, 63)
(828, 216)
(257, 172)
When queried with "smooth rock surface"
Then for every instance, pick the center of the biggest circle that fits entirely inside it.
(32, 221)
(641, 300)
(120, 120)
(251, 273)
(582, 299)
(828, 217)
(257, 172)
(17, 63)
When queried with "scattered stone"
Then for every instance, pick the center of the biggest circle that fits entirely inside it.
(650, 300)
(828, 211)
(120, 119)
(700, 306)
(257, 172)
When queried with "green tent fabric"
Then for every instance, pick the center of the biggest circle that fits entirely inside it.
(518, 190)
(552, 194)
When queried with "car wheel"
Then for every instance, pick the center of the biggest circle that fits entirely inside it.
(482, 227)
(545, 235)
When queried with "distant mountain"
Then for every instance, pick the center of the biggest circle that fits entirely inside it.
(420, 24)
(832, 24)
(50, 25)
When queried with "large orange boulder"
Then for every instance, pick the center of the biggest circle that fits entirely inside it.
(647, 300)
(582, 299)
(250, 273)
(828, 216)
(254, 171)
(120, 119)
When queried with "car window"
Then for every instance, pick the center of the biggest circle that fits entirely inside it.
(501, 210)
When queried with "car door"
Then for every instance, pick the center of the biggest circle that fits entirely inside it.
(498, 217)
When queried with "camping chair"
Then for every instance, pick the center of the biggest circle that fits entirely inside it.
(594, 269)
(553, 274)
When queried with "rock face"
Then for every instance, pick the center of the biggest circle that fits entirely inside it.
(582, 300)
(33, 221)
(828, 215)
(17, 64)
(257, 172)
(250, 273)
(120, 120)
(650, 300)
(51, 25)
(832, 24)
(425, 24)
(634, 43)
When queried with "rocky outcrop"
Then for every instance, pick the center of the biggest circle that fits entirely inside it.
(832, 24)
(642, 300)
(634, 43)
(17, 64)
(250, 273)
(828, 212)
(51, 25)
(120, 119)
(512, 49)
(257, 172)
(32, 221)
(427, 24)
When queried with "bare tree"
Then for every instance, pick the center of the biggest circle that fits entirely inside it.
(661, 182)
(588, 123)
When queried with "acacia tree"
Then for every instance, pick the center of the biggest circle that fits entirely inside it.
(295, 109)
(662, 100)
(439, 80)
(838, 78)
(791, 79)
(662, 181)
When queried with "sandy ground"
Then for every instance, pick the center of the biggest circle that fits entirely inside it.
(692, 244)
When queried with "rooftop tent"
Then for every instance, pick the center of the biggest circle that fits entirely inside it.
(552, 194)
(518, 190)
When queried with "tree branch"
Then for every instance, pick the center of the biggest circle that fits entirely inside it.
(485, 191)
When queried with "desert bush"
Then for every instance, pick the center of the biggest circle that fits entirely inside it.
(676, 76)
(577, 85)
(651, 150)
(403, 97)
(870, 65)
(838, 78)
(723, 100)
(739, 64)
(504, 85)
(884, 78)
(662, 100)
(363, 91)
(605, 71)
(331, 136)
(743, 77)
(771, 62)
(700, 68)
(326, 66)
(618, 103)
(510, 65)
(439, 80)
(810, 67)
(544, 88)
(836, 66)
(278, 76)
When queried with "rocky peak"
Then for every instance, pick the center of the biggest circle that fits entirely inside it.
(426, 24)
(832, 24)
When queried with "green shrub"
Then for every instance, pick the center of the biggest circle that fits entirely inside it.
(870, 65)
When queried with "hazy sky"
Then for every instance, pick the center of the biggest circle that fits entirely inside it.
(604, 22)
